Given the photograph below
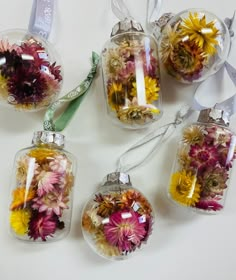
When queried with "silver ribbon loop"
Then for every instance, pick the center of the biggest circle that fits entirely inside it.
(153, 12)
(41, 18)
(120, 9)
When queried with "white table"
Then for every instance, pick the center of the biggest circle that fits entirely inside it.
(183, 245)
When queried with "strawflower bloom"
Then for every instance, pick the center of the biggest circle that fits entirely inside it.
(106, 204)
(202, 33)
(214, 181)
(184, 188)
(19, 221)
(151, 89)
(203, 156)
(42, 226)
(52, 202)
(21, 196)
(193, 134)
(124, 230)
(116, 95)
(41, 154)
(47, 181)
(209, 204)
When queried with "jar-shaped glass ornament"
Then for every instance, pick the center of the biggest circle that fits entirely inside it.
(201, 172)
(131, 76)
(118, 219)
(193, 45)
(30, 73)
(42, 184)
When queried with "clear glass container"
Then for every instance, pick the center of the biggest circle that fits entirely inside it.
(30, 73)
(42, 184)
(204, 161)
(131, 76)
(193, 45)
(117, 220)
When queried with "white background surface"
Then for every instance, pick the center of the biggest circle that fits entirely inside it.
(183, 245)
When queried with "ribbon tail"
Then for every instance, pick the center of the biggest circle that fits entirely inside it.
(74, 98)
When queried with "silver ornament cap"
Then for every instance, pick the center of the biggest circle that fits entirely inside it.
(48, 137)
(117, 178)
(213, 115)
(126, 25)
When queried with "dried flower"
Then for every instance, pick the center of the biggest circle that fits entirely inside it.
(41, 154)
(104, 247)
(124, 230)
(137, 114)
(183, 157)
(214, 181)
(114, 62)
(204, 34)
(59, 164)
(42, 226)
(134, 199)
(217, 136)
(26, 165)
(47, 181)
(27, 86)
(32, 81)
(116, 95)
(203, 156)
(52, 202)
(151, 89)
(88, 224)
(21, 196)
(187, 60)
(169, 40)
(193, 134)
(19, 221)
(106, 204)
(184, 188)
(209, 204)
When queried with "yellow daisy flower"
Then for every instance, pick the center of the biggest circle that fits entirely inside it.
(19, 220)
(151, 89)
(116, 96)
(184, 188)
(202, 33)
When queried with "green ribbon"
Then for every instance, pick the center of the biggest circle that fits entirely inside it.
(74, 98)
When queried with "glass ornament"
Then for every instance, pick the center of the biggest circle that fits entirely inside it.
(41, 193)
(117, 220)
(131, 76)
(204, 161)
(30, 72)
(193, 45)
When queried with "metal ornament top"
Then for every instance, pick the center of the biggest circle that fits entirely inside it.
(48, 137)
(213, 115)
(126, 25)
(117, 178)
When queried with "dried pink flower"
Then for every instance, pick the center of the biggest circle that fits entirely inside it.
(46, 182)
(52, 202)
(42, 226)
(125, 230)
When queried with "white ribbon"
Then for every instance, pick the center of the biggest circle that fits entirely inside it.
(41, 17)
(153, 11)
(120, 9)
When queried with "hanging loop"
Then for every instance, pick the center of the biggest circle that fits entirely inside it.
(120, 9)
